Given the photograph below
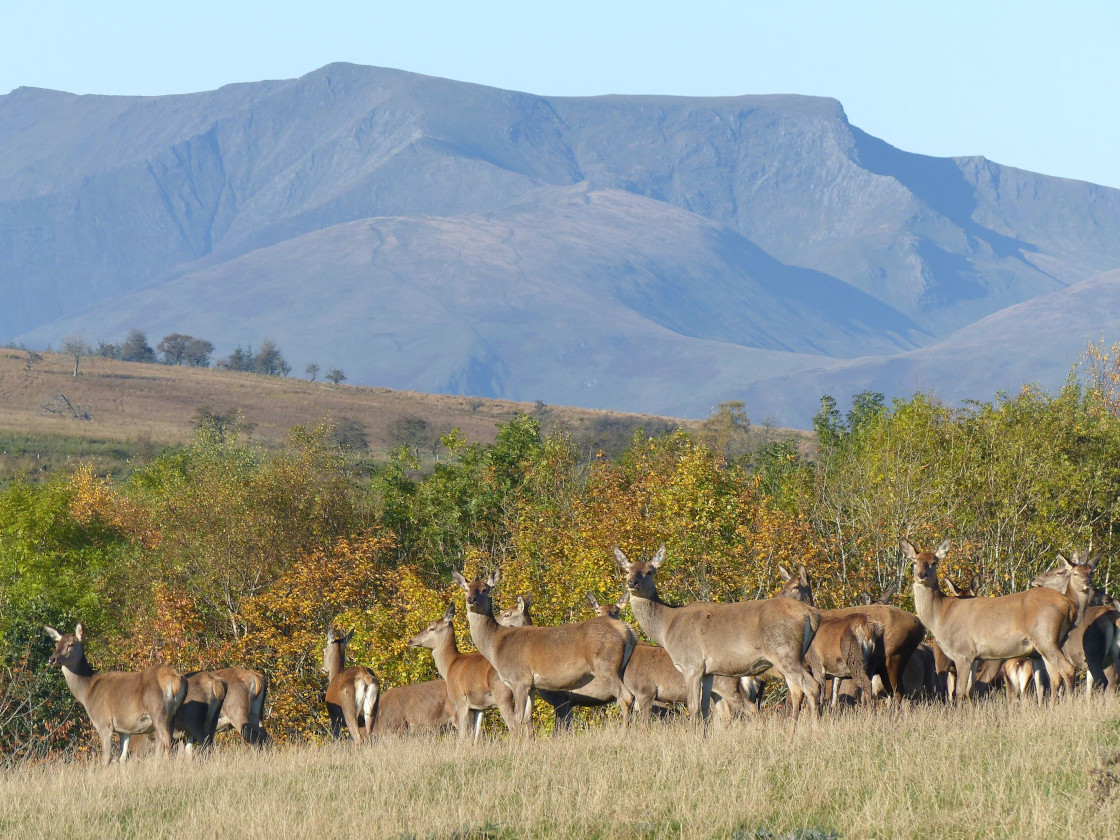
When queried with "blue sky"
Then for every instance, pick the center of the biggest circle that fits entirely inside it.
(1021, 83)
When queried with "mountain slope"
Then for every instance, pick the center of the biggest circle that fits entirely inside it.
(426, 233)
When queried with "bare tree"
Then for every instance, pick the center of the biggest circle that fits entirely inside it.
(312, 370)
(32, 359)
(336, 376)
(75, 346)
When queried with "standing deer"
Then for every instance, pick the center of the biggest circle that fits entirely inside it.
(472, 683)
(652, 678)
(555, 658)
(735, 640)
(1094, 642)
(969, 630)
(351, 692)
(593, 694)
(128, 703)
(884, 646)
(243, 708)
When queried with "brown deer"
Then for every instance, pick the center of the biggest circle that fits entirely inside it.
(735, 640)
(243, 708)
(1094, 642)
(972, 629)
(351, 692)
(197, 717)
(594, 694)
(652, 678)
(562, 658)
(127, 703)
(889, 642)
(472, 683)
(419, 707)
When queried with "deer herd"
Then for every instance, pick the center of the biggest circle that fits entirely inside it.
(714, 658)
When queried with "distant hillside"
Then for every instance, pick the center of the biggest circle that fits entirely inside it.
(134, 408)
(649, 254)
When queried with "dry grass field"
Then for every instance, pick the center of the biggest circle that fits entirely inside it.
(135, 406)
(992, 770)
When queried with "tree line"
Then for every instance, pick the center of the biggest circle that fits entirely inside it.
(179, 349)
(227, 551)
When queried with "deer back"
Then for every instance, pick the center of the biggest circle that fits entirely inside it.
(422, 706)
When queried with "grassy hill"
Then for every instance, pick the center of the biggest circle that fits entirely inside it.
(136, 409)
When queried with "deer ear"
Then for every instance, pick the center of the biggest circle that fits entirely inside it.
(1094, 561)
(346, 639)
(974, 585)
(524, 602)
(449, 613)
(943, 549)
(1066, 564)
(78, 632)
(804, 575)
(54, 634)
(621, 558)
(908, 548)
(784, 572)
(591, 599)
(495, 577)
(625, 599)
(658, 558)
(457, 576)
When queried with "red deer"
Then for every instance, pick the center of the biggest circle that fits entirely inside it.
(1094, 642)
(243, 708)
(351, 692)
(420, 707)
(562, 658)
(653, 680)
(472, 683)
(127, 703)
(889, 648)
(742, 639)
(973, 629)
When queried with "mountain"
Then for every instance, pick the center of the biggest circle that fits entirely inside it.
(640, 253)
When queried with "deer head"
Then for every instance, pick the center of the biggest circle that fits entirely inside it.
(518, 615)
(925, 562)
(639, 573)
(478, 591)
(69, 649)
(431, 635)
(798, 588)
(970, 591)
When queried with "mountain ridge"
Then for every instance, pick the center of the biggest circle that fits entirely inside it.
(847, 247)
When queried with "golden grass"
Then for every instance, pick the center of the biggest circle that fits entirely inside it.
(993, 770)
(130, 401)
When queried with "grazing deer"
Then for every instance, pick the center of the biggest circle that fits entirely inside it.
(243, 708)
(888, 654)
(419, 707)
(972, 629)
(472, 683)
(128, 703)
(562, 658)
(735, 640)
(197, 717)
(351, 692)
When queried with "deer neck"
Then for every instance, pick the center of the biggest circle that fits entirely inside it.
(80, 679)
(484, 632)
(446, 651)
(335, 661)
(928, 604)
(653, 615)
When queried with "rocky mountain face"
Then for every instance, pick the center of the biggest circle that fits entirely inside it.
(654, 254)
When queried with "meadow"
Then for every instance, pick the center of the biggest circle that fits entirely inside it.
(993, 769)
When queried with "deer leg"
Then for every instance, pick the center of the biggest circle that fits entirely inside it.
(351, 717)
(966, 677)
(125, 738)
(695, 709)
(477, 713)
(706, 695)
